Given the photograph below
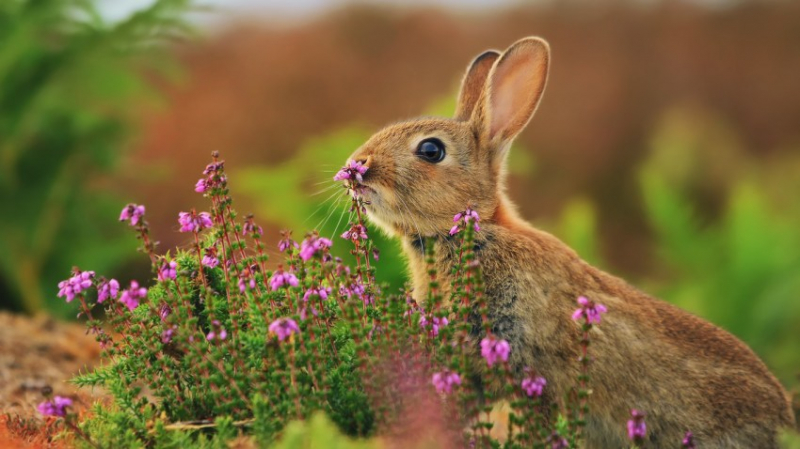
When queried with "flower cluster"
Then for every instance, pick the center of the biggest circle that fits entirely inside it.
(75, 285)
(637, 429)
(688, 441)
(356, 232)
(194, 222)
(354, 171)
(107, 290)
(130, 297)
(313, 245)
(55, 407)
(434, 323)
(168, 271)
(214, 177)
(445, 380)
(469, 216)
(589, 310)
(284, 328)
(217, 332)
(494, 350)
(534, 386)
(132, 213)
(282, 278)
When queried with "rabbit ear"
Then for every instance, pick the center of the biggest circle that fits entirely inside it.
(513, 90)
(473, 83)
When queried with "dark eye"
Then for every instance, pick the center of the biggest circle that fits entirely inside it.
(432, 150)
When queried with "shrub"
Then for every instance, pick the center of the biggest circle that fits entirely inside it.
(220, 347)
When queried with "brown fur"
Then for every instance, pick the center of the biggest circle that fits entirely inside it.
(687, 374)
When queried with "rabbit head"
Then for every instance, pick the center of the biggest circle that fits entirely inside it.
(422, 171)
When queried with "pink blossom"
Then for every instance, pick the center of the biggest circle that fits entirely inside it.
(322, 292)
(282, 278)
(445, 380)
(353, 170)
(637, 429)
(434, 323)
(210, 261)
(132, 213)
(168, 271)
(201, 186)
(356, 232)
(468, 216)
(589, 310)
(688, 441)
(194, 222)
(283, 328)
(73, 286)
(312, 245)
(56, 407)
(130, 297)
(106, 290)
(493, 350)
(534, 386)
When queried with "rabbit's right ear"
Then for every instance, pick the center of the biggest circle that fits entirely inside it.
(473, 83)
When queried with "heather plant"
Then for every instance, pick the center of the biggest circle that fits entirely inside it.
(219, 346)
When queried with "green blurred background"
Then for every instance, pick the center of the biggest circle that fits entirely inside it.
(666, 149)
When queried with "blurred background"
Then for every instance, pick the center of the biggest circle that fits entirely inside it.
(666, 149)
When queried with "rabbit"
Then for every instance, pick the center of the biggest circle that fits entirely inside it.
(685, 373)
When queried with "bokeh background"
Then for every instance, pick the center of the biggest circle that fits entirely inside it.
(666, 149)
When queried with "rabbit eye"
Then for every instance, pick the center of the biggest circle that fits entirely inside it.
(432, 150)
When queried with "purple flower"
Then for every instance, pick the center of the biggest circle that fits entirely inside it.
(637, 429)
(201, 186)
(352, 171)
(588, 310)
(246, 281)
(688, 441)
(168, 271)
(556, 441)
(213, 168)
(251, 228)
(284, 328)
(434, 323)
(312, 245)
(164, 311)
(132, 213)
(210, 261)
(468, 216)
(56, 407)
(356, 232)
(445, 380)
(107, 289)
(75, 285)
(131, 296)
(322, 292)
(493, 350)
(166, 335)
(281, 278)
(194, 222)
(534, 386)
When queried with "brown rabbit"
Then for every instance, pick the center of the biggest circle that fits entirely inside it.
(685, 373)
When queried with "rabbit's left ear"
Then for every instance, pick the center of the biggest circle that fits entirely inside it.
(513, 90)
(473, 83)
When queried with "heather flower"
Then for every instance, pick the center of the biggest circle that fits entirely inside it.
(168, 271)
(493, 350)
(210, 261)
(132, 213)
(534, 387)
(322, 292)
(218, 333)
(251, 228)
(164, 311)
(282, 278)
(444, 381)
(245, 282)
(556, 441)
(194, 222)
(213, 168)
(283, 328)
(352, 171)
(75, 285)
(589, 310)
(688, 441)
(166, 335)
(56, 407)
(434, 323)
(201, 186)
(468, 216)
(355, 233)
(131, 296)
(107, 289)
(312, 245)
(637, 429)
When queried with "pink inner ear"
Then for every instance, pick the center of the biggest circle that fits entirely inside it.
(517, 85)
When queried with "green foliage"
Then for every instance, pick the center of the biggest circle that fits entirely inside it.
(67, 78)
(320, 432)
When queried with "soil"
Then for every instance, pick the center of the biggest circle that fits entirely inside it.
(39, 354)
